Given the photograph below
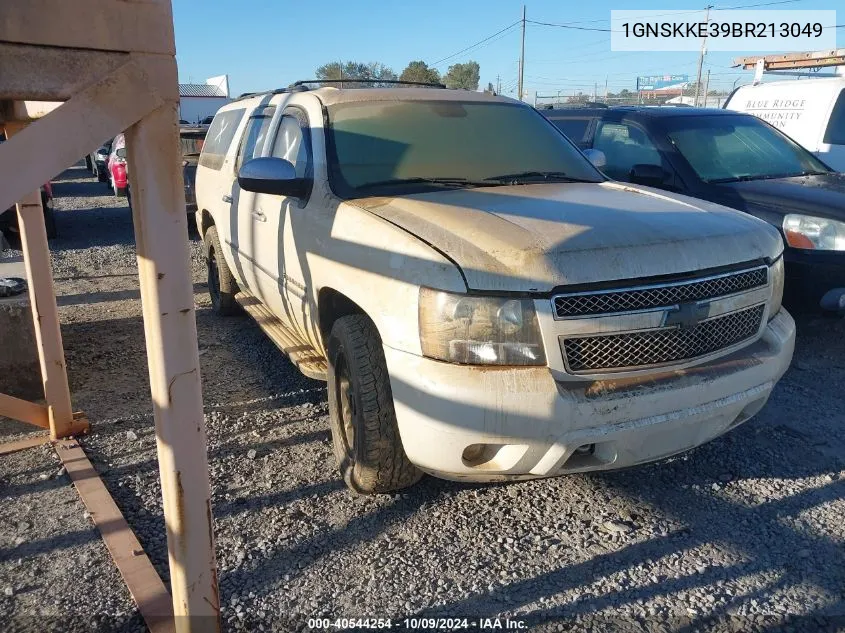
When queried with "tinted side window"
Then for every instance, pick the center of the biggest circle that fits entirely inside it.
(835, 133)
(624, 146)
(219, 138)
(575, 129)
(256, 131)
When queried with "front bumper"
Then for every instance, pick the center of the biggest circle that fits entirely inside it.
(529, 425)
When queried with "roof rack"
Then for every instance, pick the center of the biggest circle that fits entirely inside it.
(399, 82)
(808, 60)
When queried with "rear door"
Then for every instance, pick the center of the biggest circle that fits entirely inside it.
(215, 176)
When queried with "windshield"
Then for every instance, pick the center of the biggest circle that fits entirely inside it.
(388, 147)
(728, 148)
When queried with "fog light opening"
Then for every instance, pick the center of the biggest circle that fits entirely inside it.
(585, 449)
(473, 454)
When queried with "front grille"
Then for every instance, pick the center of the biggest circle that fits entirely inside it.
(658, 296)
(666, 345)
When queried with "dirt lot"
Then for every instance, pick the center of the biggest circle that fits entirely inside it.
(748, 529)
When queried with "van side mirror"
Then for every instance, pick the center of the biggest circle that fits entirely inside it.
(648, 175)
(596, 157)
(272, 175)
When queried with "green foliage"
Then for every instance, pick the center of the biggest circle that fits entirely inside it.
(356, 70)
(420, 71)
(464, 76)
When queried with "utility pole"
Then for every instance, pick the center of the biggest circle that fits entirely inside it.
(498, 84)
(522, 56)
(706, 87)
(702, 53)
(595, 90)
(605, 88)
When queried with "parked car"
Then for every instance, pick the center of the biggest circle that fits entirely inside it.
(98, 160)
(735, 160)
(117, 168)
(191, 139)
(484, 306)
(810, 111)
(9, 217)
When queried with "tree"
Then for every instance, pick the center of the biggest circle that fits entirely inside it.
(356, 70)
(420, 71)
(464, 76)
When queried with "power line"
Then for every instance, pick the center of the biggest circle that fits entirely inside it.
(478, 43)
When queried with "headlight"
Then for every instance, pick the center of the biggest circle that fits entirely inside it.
(806, 231)
(479, 330)
(776, 271)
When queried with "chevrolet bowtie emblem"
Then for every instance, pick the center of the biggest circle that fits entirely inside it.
(687, 315)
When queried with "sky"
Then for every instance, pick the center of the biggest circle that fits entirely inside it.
(265, 44)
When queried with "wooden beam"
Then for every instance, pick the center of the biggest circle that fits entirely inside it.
(51, 74)
(144, 584)
(45, 314)
(158, 211)
(24, 411)
(144, 26)
(47, 146)
(21, 445)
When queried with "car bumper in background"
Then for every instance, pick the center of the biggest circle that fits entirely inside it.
(485, 424)
(810, 274)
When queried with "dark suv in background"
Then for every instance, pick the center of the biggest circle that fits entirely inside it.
(732, 159)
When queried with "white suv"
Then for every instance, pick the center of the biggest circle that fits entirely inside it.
(483, 302)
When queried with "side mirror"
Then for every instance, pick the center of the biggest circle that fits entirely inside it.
(596, 157)
(120, 153)
(272, 175)
(648, 175)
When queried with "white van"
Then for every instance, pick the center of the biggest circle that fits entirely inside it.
(811, 111)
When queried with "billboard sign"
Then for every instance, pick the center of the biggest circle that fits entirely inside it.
(662, 82)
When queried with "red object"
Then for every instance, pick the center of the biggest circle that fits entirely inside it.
(118, 173)
(48, 187)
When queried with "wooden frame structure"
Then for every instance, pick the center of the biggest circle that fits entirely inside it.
(73, 74)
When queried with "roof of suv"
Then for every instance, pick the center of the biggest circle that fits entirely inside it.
(331, 96)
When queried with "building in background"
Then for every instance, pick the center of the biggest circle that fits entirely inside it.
(198, 101)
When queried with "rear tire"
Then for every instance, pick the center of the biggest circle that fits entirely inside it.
(365, 434)
(222, 286)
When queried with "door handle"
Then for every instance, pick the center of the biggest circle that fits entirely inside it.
(227, 198)
(258, 215)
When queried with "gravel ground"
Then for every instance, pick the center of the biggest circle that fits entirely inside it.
(745, 531)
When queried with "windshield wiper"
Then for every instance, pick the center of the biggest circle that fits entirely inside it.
(749, 177)
(536, 176)
(446, 181)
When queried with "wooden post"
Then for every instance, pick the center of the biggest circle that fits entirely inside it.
(161, 229)
(45, 314)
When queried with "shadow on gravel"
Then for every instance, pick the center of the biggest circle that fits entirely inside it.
(103, 296)
(758, 530)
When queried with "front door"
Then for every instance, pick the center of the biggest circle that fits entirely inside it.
(247, 231)
(278, 222)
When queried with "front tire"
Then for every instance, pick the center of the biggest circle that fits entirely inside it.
(365, 434)
(222, 286)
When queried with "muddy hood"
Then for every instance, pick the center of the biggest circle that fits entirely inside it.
(538, 237)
